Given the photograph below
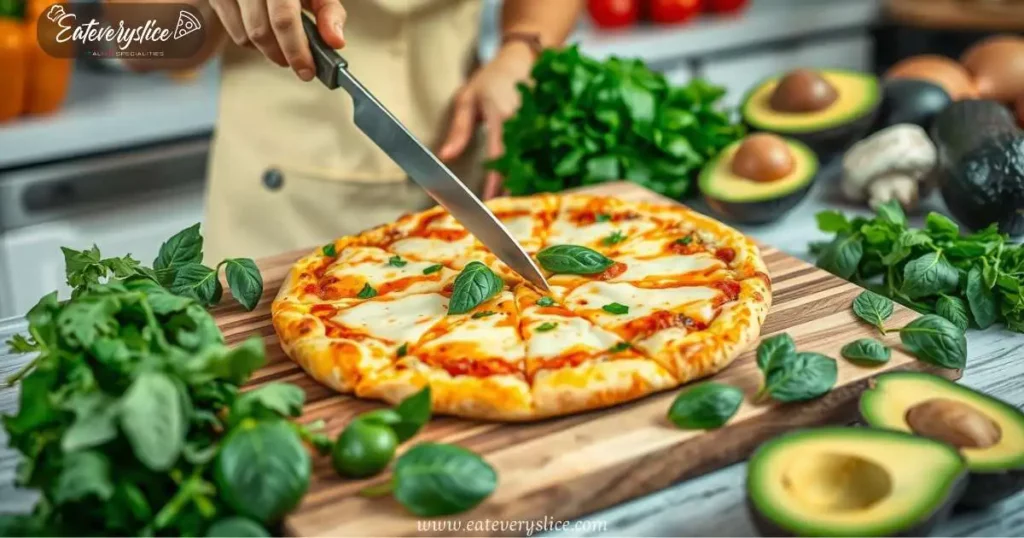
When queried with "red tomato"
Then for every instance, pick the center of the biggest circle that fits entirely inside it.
(672, 11)
(724, 6)
(613, 13)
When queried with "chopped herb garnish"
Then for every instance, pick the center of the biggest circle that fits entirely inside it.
(367, 292)
(397, 261)
(545, 301)
(545, 327)
(483, 314)
(614, 238)
(615, 308)
(329, 250)
(621, 346)
(433, 269)
(685, 240)
(602, 217)
(402, 350)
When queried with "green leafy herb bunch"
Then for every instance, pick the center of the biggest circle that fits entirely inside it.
(583, 121)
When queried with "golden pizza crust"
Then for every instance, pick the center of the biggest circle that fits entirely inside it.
(352, 359)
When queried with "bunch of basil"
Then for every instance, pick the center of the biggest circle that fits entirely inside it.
(583, 122)
(131, 421)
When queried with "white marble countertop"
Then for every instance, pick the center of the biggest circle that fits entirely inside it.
(713, 504)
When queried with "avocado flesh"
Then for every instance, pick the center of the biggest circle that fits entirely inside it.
(826, 131)
(852, 482)
(997, 471)
(743, 200)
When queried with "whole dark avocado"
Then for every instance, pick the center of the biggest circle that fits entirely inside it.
(827, 110)
(758, 179)
(981, 164)
(989, 432)
(910, 101)
(852, 482)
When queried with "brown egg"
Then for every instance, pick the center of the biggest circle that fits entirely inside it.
(938, 70)
(802, 90)
(997, 65)
(763, 157)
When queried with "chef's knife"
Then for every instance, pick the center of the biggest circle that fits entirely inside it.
(422, 166)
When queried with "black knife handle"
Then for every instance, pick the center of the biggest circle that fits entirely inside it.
(327, 60)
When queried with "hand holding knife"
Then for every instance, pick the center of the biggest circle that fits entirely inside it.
(418, 162)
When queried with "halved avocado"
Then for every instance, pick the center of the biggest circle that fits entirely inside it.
(989, 432)
(852, 482)
(831, 129)
(743, 200)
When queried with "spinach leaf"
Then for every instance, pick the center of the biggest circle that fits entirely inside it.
(82, 322)
(84, 473)
(707, 406)
(981, 299)
(245, 281)
(183, 248)
(842, 255)
(414, 412)
(775, 350)
(930, 274)
(271, 400)
(199, 282)
(892, 213)
(263, 470)
(805, 376)
(152, 420)
(573, 260)
(936, 341)
(433, 479)
(832, 221)
(873, 308)
(866, 350)
(476, 284)
(954, 310)
(940, 226)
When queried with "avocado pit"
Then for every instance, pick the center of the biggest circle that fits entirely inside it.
(953, 422)
(835, 483)
(803, 91)
(763, 157)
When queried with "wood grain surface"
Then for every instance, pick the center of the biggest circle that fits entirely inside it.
(567, 467)
(958, 14)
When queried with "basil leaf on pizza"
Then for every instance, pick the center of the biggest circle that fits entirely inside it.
(615, 308)
(474, 286)
(545, 301)
(329, 250)
(546, 326)
(484, 314)
(367, 292)
(573, 260)
(433, 269)
(396, 261)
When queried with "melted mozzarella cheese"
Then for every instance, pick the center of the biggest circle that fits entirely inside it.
(377, 271)
(566, 232)
(432, 249)
(664, 266)
(483, 336)
(521, 227)
(405, 319)
(568, 333)
(591, 297)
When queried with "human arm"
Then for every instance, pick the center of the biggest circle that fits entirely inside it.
(490, 95)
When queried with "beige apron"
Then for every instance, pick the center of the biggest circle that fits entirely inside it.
(289, 169)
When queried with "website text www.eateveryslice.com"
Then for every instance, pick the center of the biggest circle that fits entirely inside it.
(521, 527)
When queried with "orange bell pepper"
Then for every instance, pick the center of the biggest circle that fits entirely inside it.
(48, 77)
(14, 66)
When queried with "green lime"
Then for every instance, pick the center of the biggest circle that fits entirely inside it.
(364, 449)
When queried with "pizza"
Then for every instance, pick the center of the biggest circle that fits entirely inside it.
(644, 297)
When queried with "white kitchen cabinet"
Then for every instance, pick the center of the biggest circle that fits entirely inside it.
(741, 72)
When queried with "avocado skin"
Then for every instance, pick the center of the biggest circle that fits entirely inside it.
(981, 165)
(986, 489)
(910, 101)
(766, 527)
(761, 212)
(833, 140)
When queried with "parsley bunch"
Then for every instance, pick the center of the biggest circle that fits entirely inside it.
(974, 279)
(131, 421)
(584, 122)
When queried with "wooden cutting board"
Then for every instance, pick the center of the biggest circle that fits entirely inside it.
(569, 467)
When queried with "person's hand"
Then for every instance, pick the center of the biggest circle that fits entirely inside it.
(490, 95)
(274, 27)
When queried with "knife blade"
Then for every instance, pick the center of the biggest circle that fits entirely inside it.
(381, 126)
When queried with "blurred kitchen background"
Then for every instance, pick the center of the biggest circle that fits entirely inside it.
(122, 162)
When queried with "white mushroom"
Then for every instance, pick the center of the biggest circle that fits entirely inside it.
(892, 164)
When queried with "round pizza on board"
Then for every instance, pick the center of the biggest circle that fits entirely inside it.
(644, 297)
